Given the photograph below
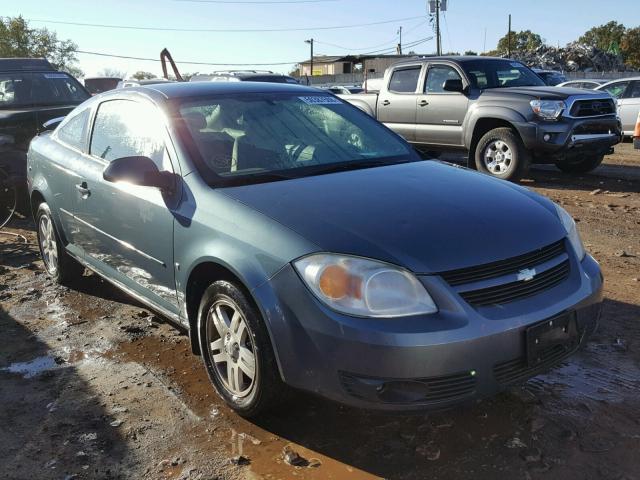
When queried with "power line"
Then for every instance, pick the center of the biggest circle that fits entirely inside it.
(220, 30)
(393, 41)
(254, 2)
(126, 57)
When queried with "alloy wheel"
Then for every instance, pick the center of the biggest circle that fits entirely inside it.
(232, 349)
(497, 157)
(48, 244)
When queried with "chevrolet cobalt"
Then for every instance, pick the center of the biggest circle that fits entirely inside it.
(303, 243)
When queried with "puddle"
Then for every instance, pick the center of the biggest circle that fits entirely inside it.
(32, 368)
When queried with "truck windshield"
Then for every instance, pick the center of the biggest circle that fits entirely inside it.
(269, 136)
(20, 90)
(486, 73)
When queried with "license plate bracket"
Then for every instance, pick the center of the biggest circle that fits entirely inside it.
(559, 330)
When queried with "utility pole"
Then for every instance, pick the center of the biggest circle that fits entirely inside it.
(509, 39)
(484, 44)
(438, 44)
(400, 44)
(310, 42)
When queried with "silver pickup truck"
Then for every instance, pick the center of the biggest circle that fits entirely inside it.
(497, 110)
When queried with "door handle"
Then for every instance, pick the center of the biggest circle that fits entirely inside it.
(83, 189)
(386, 102)
(423, 103)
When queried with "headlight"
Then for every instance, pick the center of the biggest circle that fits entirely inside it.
(547, 109)
(362, 287)
(572, 231)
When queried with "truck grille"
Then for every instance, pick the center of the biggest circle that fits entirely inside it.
(592, 108)
(503, 267)
(510, 292)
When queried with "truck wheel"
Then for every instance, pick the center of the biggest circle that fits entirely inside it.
(60, 266)
(582, 165)
(501, 153)
(237, 351)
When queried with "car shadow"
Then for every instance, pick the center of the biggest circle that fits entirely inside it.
(494, 437)
(53, 424)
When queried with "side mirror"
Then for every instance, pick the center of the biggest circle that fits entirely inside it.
(52, 124)
(453, 85)
(140, 171)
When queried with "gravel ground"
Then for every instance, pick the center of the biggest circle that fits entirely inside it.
(93, 385)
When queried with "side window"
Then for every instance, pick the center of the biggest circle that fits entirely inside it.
(74, 131)
(404, 80)
(634, 90)
(437, 75)
(15, 90)
(477, 78)
(616, 89)
(125, 128)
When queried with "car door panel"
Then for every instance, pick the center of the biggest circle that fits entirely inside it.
(127, 230)
(629, 106)
(397, 103)
(440, 114)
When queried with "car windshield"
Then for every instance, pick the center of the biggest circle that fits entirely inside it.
(264, 137)
(485, 74)
(21, 90)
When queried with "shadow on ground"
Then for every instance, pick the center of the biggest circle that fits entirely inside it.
(53, 425)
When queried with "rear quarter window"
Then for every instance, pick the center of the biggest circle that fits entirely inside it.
(404, 80)
(73, 132)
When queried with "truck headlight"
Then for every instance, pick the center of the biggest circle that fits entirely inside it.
(573, 235)
(548, 109)
(363, 287)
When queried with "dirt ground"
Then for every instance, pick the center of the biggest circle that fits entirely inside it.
(92, 385)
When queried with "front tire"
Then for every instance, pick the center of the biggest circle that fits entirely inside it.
(60, 266)
(583, 165)
(237, 351)
(501, 153)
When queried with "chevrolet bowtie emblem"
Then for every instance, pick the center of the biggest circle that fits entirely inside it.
(526, 274)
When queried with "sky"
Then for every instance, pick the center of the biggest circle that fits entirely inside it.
(463, 27)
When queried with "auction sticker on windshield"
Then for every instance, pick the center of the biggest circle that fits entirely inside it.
(320, 100)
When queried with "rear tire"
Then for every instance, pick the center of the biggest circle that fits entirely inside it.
(584, 165)
(501, 154)
(236, 350)
(60, 266)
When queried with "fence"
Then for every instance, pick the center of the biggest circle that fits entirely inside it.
(358, 78)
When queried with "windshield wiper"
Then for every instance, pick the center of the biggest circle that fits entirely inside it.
(346, 166)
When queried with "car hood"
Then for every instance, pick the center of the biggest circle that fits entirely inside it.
(426, 216)
(549, 93)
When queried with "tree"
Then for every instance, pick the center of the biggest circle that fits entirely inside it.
(630, 47)
(606, 37)
(112, 72)
(140, 75)
(17, 39)
(521, 42)
(471, 53)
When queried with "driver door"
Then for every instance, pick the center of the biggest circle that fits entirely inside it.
(127, 230)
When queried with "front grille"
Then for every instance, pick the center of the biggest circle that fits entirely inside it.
(517, 370)
(503, 267)
(510, 292)
(403, 391)
(592, 108)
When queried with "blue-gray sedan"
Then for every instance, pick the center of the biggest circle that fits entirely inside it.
(303, 243)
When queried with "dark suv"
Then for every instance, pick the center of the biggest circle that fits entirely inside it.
(32, 92)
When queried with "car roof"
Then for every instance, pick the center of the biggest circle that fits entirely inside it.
(452, 58)
(25, 64)
(618, 80)
(198, 89)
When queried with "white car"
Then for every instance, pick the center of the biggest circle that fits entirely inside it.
(584, 83)
(627, 93)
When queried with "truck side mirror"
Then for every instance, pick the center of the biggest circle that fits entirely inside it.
(453, 85)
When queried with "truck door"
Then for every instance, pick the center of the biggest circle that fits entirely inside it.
(440, 114)
(397, 102)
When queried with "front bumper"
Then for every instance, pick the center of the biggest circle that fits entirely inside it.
(423, 362)
(570, 137)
